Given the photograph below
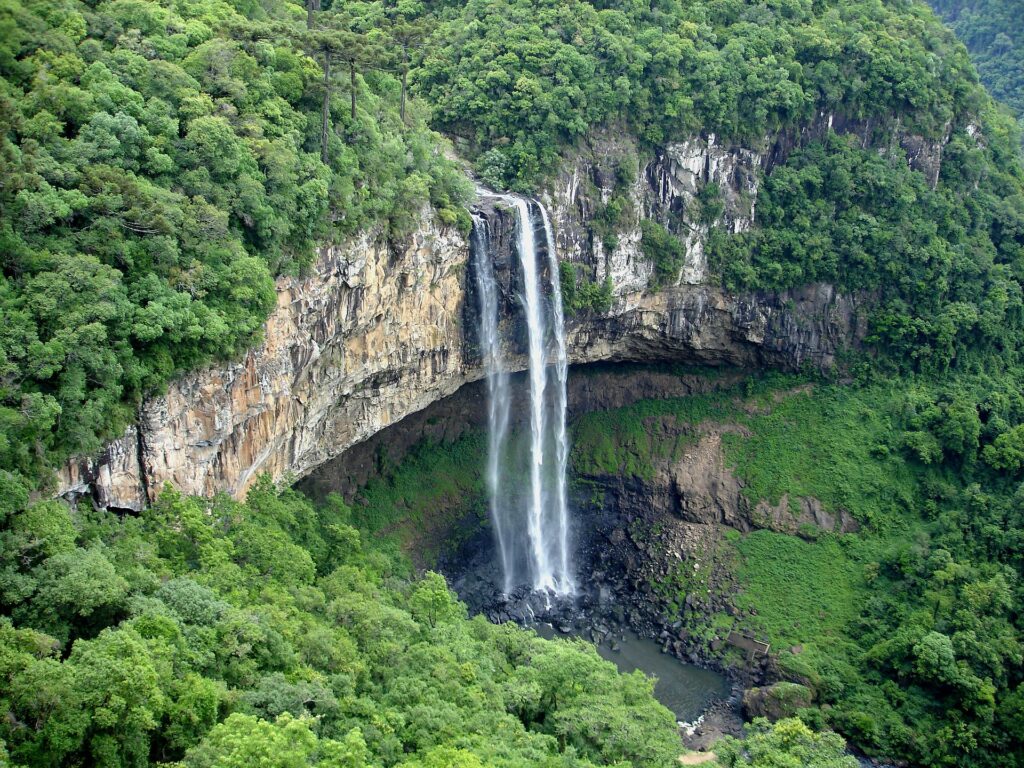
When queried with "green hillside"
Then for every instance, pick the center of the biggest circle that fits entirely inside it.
(162, 162)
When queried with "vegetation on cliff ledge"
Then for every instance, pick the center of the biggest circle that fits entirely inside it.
(908, 631)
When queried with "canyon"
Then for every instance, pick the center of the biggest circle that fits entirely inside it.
(378, 330)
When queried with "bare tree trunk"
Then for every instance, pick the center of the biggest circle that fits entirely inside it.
(405, 79)
(311, 5)
(352, 86)
(325, 112)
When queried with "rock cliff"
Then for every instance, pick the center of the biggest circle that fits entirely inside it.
(379, 330)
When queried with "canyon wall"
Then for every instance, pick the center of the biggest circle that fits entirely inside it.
(378, 330)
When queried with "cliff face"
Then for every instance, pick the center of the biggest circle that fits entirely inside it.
(371, 335)
(378, 331)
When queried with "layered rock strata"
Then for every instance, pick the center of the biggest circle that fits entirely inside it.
(379, 330)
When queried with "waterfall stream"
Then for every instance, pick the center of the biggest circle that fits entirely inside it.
(498, 399)
(543, 512)
(533, 310)
(561, 405)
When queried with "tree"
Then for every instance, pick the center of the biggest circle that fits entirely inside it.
(432, 603)
(406, 28)
(1006, 452)
(934, 659)
(242, 741)
(334, 42)
(311, 6)
(785, 744)
(76, 590)
(193, 708)
(120, 681)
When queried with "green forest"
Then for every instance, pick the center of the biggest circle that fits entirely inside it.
(909, 636)
(272, 633)
(991, 30)
(163, 162)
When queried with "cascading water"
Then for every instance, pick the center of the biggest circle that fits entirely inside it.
(545, 547)
(533, 309)
(527, 481)
(560, 407)
(498, 398)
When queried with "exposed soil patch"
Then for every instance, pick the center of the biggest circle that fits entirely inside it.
(696, 758)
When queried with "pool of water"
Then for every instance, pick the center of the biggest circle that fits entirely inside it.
(685, 689)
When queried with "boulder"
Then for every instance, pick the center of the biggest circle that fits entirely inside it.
(776, 701)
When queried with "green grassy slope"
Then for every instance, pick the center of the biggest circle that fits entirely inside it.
(906, 630)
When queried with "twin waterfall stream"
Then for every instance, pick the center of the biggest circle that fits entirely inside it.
(531, 525)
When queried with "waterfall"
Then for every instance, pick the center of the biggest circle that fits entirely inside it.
(533, 309)
(498, 397)
(560, 407)
(543, 510)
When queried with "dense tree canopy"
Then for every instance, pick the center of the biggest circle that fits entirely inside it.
(274, 633)
(518, 78)
(993, 33)
(161, 163)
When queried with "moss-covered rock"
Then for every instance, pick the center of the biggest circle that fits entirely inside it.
(776, 701)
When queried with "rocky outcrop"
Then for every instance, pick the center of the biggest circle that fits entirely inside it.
(115, 478)
(776, 701)
(699, 487)
(665, 189)
(690, 187)
(372, 334)
(379, 330)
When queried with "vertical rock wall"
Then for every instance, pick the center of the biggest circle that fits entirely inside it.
(378, 331)
(373, 334)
